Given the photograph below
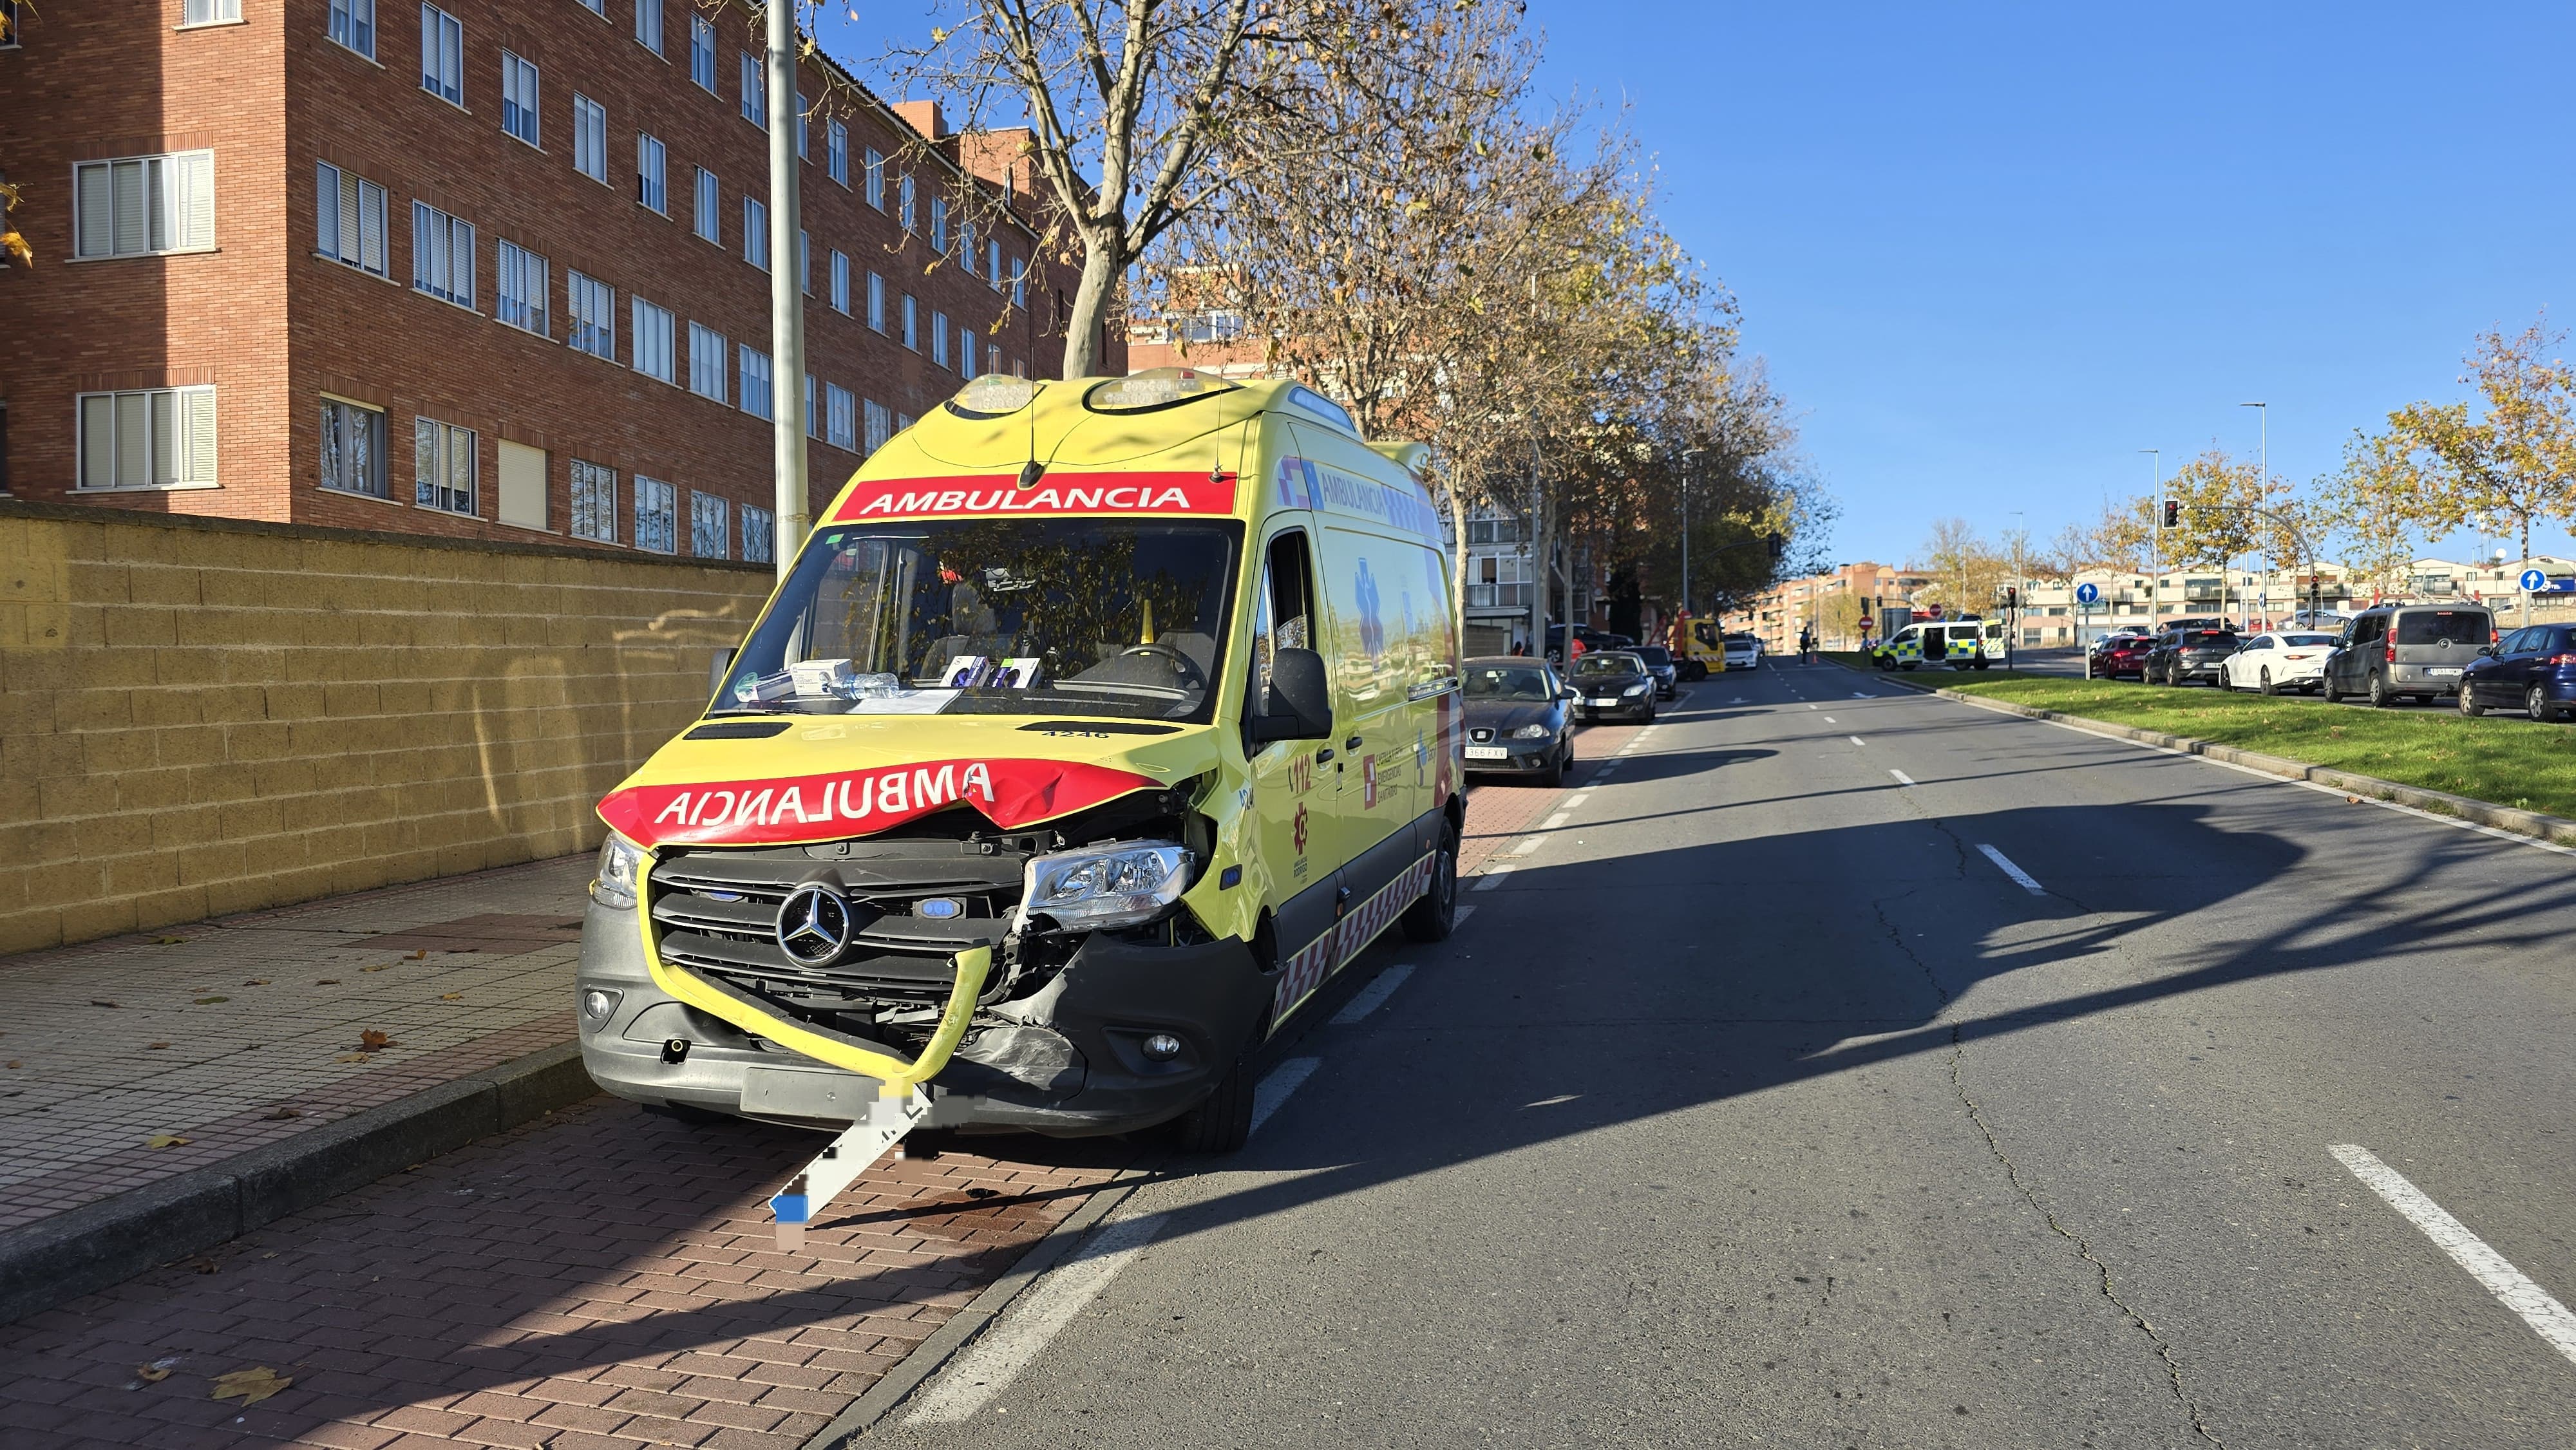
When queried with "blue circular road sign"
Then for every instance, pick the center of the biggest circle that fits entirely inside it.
(2092, 593)
(2533, 581)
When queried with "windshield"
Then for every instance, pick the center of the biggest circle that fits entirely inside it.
(1655, 655)
(996, 616)
(2434, 626)
(1600, 664)
(2309, 639)
(2206, 638)
(1506, 682)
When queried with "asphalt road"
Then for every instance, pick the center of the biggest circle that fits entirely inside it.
(1762, 1105)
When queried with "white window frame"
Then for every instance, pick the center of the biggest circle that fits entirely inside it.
(804, 263)
(966, 367)
(841, 417)
(878, 426)
(939, 225)
(759, 533)
(169, 195)
(903, 197)
(522, 288)
(1020, 286)
(804, 129)
(997, 273)
(836, 151)
(589, 138)
(654, 340)
(657, 503)
(456, 230)
(939, 339)
(648, 25)
(521, 95)
(446, 443)
(195, 13)
(911, 323)
(755, 232)
(755, 92)
(177, 424)
(709, 518)
(652, 174)
(757, 380)
(591, 307)
(344, 448)
(876, 301)
(710, 360)
(350, 220)
(875, 178)
(588, 515)
(967, 258)
(840, 282)
(442, 42)
(707, 195)
(353, 22)
(702, 53)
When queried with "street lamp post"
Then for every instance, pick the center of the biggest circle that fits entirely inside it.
(2012, 614)
(795, 508)
(1690, 457)
(2263, 454)
(2155, 534)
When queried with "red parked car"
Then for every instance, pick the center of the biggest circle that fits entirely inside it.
(2124, 658)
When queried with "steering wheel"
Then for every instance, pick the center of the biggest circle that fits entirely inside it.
(1191, 676)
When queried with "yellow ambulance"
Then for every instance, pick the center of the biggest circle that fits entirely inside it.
(1097, 724)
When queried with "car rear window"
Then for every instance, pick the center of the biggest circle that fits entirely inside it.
(2433, 626)
(2199, 637)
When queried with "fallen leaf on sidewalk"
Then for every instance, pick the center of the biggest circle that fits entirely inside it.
(100, 1002)
(167, 1140)
(386, 967)
(416, 956)
(328, 982)
(250, 1386)
(13, 1062)
(154, 1046)
(210, 1001)
(373, 1041)
(451, 996)
(151, 1374)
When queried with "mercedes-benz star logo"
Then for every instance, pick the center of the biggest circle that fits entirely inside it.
(814, 925)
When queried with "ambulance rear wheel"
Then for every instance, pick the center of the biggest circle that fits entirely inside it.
(1436, 914)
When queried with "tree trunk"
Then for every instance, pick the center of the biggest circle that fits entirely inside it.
(1103, 257)
(1458, 559)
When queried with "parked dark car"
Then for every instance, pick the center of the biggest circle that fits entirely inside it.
(2181, 656)
(1659, 663)
(1611, 683)
(2408, 651)
(1518, 722)
(2109, 640)
(2532, 670)
(2123, 657)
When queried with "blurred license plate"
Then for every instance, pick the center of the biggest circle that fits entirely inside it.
(1604, 704)
(1487, 752)
(2444, 670)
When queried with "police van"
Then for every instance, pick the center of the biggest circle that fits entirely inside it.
(1961, 644)
(1098, 723)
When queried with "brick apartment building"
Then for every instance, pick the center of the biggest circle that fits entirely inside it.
(474, 268)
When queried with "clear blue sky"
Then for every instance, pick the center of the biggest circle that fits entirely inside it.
(1991, 252)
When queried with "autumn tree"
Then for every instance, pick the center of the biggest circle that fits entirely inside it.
(2511, 463)
(1967, 571)
(2362, 506)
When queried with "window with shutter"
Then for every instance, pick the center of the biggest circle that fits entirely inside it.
(442, 55)
(649, 189)
(353, 25)
(648, 25)
(210, 12)
(147, 438)
(139, 206)
(442, 255)
(350, 222)
(653, 341)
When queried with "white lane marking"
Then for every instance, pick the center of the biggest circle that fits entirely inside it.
(1372, 996)
(1902, 777)
(2547, 1317)
(1460, 919)
(1861, 695)
(1284, 1079)
(1573, 801)
(1492, 876)
(1552, 1102)
(1830, 720)
(1815, 707)
(1528, 844)
(993, 1361)
(2013, 871)
(1854, 739)
(1738, 700)
(1554, 821)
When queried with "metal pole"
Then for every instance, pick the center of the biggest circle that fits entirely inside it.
(1688, 455)
(2155, 534)
(2263, 453)
(786, 296)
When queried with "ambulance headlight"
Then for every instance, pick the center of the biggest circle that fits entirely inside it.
(1116, 885)
(619, 860)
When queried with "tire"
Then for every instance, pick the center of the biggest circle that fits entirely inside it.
(1983, 662)
(2264, 682)
(2471, 707)
(2326, 690)
(2379, 695)
(1222, 1122)
(1555, 776)
(1436, 914)
(1911, 665)
(2535, 704)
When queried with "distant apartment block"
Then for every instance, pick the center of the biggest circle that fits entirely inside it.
(476, 269)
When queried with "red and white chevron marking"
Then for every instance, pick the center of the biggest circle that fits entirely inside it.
(1325, 954)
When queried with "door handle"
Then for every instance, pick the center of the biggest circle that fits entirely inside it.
(1323, 755)
(1351, 744)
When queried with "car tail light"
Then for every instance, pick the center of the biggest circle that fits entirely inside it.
(2392, 647)
(2560, 660)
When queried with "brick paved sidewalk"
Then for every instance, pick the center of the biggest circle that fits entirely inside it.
(235, 1034)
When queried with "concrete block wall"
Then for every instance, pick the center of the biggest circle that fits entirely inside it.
(200, 717)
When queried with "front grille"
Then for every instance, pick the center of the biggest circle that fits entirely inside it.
(716, 912)
(1481, 735)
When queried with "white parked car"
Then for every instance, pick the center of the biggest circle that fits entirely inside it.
(2278, 660)
(1743, 651)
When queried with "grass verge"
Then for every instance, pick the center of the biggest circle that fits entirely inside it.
(2507, 761)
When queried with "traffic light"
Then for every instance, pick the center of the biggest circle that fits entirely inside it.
(2012, 596)
(2173, 513)
(1776, 544)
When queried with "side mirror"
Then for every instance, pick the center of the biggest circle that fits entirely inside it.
(1299, 703)
(718, 668)
(1566, 692)
(2487, 650)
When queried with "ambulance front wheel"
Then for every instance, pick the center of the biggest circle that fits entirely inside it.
(1436, 914)
(1222, 1122)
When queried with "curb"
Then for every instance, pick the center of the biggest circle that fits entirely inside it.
(102, 1244)
(926, 1358)
(2557, 830)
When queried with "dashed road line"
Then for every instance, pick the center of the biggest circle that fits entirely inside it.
(1830, 720)
(1854, 739)
(2547, 1317)
(1528, 844)
(1574, 801)
(1492, 876)
(1902, 777)
(1372, 996)
(1284, 1079)
(2013, 871)
(1554, 821)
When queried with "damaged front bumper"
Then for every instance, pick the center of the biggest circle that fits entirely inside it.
(1070, 1059)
